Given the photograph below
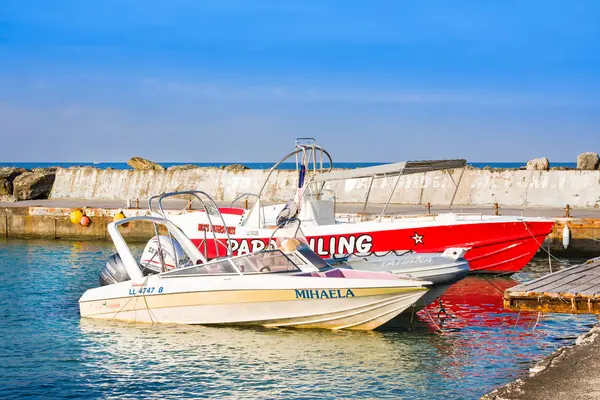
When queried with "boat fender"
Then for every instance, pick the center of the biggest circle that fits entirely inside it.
(76, 216)
(566, 236)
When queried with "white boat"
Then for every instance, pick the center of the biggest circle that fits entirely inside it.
(175, 283)
(442, 269)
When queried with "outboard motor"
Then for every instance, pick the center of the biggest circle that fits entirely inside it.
(158, 252)
(114, 271)
(171, 255)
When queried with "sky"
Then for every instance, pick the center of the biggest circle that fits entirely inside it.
(233, 80)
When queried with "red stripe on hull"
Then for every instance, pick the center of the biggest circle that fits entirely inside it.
(496, 247)
(500, 248)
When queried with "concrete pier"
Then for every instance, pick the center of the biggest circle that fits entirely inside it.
(50, 219)
(570, 373)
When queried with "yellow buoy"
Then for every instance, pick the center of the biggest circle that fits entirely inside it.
(119, 216)
(76, 216)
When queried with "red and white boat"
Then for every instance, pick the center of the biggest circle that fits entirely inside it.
(498, 244)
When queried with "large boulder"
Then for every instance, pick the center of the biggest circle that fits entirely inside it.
(588, 161)
(538, 164)
(184, 167)
(7, 176)
(33, 185)
(235, 167)
(142, 164)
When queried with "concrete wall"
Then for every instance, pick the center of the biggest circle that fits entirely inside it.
(477, 187)
(54, 223)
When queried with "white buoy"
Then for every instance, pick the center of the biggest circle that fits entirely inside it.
(566, 236)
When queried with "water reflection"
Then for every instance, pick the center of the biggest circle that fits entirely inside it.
(47, 350)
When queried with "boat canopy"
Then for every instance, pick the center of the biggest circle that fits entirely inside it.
(389, 170)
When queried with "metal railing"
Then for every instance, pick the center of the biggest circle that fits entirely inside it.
(211, 209)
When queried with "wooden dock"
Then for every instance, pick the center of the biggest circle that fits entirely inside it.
(575, 290)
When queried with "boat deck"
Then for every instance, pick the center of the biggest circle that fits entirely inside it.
(574, 290)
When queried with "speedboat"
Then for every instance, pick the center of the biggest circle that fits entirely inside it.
(497, 244)
(283, 286)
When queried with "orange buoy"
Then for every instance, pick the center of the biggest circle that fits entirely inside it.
(76, 216)
(85, 221)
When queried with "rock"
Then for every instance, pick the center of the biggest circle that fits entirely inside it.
(538, 164)
(7, 176)
(33, 185)
(182, 167)
(45, 170)
(588, 161)
(142, 164)
(7, 198)
(235, 167)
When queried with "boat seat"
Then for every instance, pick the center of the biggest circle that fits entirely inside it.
(317, 212)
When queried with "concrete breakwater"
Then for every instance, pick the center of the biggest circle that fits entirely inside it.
(54, 223)
(511, 188)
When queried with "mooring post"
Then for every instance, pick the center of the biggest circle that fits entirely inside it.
(428, 208)
(496, 209)
(246, 203)
(189, 205)
(568, 211)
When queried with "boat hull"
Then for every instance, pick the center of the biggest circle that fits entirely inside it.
(498, 244)
(334, 307)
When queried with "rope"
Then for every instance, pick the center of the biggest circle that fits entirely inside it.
(515, 327)
(150, 314)
(539, 244)
(412, 315)
(536, 321)
(121, 309)
(495, 287)
(433, 322)
(549, 258)
(588, 237)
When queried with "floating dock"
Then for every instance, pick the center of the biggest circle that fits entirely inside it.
(574, 290)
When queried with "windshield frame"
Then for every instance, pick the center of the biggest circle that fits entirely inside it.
(181, 272)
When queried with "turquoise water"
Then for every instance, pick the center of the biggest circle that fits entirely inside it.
(46, 350)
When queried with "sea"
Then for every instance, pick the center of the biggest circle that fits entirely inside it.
(462, 350)
(253, 165)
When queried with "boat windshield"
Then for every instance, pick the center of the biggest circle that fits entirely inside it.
(215, 267)
(258, 263)
(312, 257)
(264, 262)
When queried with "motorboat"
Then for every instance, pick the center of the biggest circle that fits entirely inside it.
(497, 244)
(284, 285)
(442, 269)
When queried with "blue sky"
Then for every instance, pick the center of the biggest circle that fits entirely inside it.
(239, 80)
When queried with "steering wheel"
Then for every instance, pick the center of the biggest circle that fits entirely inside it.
(265, 268)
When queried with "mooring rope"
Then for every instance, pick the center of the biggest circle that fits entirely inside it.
(539, 244)
(433, 322)
(588, 237)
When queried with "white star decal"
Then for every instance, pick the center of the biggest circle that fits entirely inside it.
(418, 238)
